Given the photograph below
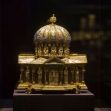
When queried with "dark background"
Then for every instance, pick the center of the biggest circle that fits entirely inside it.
(21, 18)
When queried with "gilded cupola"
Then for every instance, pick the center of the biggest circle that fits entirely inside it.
(52, 40)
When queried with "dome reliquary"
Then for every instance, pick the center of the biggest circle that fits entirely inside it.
(52, 68)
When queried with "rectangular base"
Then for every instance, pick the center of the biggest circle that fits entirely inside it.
(54, 102)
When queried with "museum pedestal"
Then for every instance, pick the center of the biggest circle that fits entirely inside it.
(54, 102)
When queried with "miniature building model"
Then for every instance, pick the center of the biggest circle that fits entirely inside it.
(52, 67)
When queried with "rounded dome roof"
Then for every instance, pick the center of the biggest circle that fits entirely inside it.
(52, 33)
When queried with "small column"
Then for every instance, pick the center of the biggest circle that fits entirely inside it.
(72, 75)
(27, 74)
(21, 74)
(77, 81)
(49, 77)
(56, 77)
(82, 78)
(33, 75)
(53, 77)
(46, 75)
(60, 76)
(66, 75)
(39, 72)
(77, 75)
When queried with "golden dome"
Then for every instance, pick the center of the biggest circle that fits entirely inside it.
(52, 33)
(52, 38)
